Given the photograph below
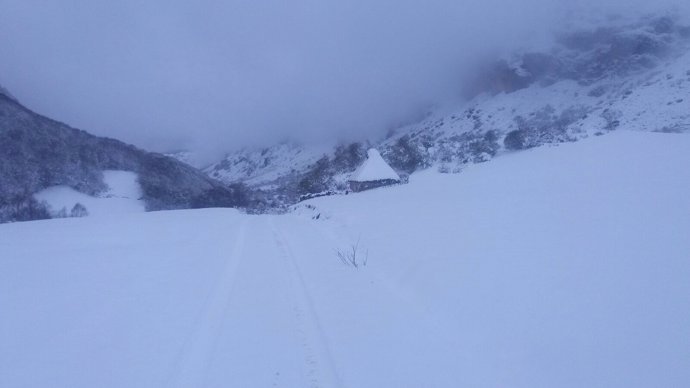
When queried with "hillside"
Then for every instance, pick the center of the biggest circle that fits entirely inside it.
(37, 153)
(554, 267)
(615, 75)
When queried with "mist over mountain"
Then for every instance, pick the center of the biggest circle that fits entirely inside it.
(216, 76)
(628, 74)
(587, 78)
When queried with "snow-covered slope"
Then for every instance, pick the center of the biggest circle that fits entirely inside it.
(654, 100)
(616, 75)
(558, 266)
(262, 168)
(37, 153)
(123, 195)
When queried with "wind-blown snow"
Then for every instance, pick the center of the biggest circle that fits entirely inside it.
(374, 168)
(123, 196)
(560, 266)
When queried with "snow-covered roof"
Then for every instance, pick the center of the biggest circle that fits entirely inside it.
(374, 169)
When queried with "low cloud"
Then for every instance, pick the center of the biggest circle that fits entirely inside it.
(214, 75)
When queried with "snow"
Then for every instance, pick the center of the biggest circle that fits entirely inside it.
(123, 196)
(657, 99)
(654, 100)
(559, 266)
(262, 168)
(373, 169)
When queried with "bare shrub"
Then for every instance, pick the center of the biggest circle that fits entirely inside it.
(353, 256)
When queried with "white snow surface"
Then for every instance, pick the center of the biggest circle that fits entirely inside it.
(123, 196)
(559, 266)
(374, 168)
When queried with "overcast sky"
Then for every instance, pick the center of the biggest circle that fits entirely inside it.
(213, 75)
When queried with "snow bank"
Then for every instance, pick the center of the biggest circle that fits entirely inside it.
(123, 196)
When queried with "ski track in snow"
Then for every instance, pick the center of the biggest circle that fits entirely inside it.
(321, 369)
(191, 368)
(197, 353)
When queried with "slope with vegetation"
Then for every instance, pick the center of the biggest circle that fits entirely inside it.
(37, 153)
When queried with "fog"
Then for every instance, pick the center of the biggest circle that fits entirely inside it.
(215, 75)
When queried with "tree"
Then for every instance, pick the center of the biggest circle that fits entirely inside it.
(515, 140)
(62, 213)
(348, 158)
(488, 144)
(317, 179)
(79, 210)
(24, 209)
(405, 156)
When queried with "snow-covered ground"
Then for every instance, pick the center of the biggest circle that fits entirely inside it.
(560, 266)
(123, 196)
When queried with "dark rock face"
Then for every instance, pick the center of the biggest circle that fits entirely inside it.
(37, 152)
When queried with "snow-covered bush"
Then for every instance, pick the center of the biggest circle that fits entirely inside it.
(543, 127)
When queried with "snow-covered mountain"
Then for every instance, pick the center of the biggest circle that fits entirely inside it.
(555, 267)
(264, 167)
(631, 75)
(37, 153)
